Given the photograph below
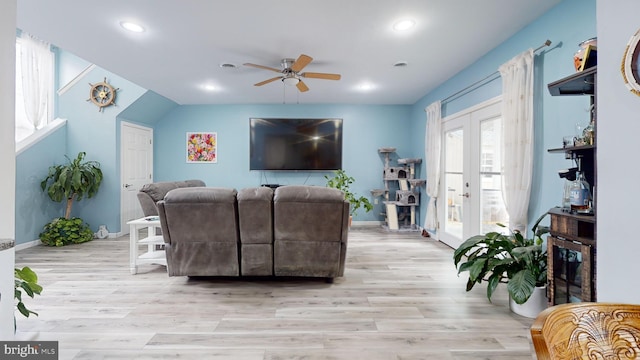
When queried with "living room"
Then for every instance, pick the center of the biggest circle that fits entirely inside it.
(367, 128)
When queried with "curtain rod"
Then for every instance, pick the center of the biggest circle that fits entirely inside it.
(453, 96)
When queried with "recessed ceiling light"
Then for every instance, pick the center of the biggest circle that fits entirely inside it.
(209, 87)
(404, 25)
(228, 66)
(132, 26)
(400, 64)
(365, 87)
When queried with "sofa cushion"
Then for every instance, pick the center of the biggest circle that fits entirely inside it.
(197, 195)
(158, 190)
(301, 193)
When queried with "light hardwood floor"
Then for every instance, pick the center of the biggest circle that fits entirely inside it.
(400, 298)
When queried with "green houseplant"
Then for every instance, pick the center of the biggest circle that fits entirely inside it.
(341, 181)
(498, 258)
(25, 280)
(70, 182)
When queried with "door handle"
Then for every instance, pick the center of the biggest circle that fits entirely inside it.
(465, 195)
(128, 186)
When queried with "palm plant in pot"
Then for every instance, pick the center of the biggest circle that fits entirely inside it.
(341, 181)
(498, 258)
(70, 182)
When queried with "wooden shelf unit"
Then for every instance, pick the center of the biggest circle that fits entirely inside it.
(572, 244)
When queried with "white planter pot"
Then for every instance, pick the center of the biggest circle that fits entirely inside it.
(532, 307)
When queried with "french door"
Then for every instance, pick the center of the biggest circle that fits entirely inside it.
(471, 174)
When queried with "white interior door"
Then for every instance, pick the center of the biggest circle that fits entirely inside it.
(472, 174)
(136, 169)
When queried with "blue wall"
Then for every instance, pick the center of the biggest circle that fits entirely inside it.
(565, 25)
(94, 132)
(33, 207)
(366, 128)
(147, 109)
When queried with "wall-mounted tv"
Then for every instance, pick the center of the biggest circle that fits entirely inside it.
(295, 144)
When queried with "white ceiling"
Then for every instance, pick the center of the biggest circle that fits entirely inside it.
(186, 40)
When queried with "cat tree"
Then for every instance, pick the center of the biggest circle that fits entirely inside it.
(400, 194)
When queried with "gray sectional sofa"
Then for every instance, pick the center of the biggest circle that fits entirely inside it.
(292, 231)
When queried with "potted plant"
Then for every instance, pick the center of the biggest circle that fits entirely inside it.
(342, 181)
(498, 258)
(25, 280)
(70, 182)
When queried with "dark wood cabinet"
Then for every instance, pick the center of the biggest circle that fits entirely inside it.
(571, 249)
(571, 246)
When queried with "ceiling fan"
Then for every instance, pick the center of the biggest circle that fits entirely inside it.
(291, 74)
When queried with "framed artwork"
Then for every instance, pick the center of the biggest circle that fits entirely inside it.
(202, 147)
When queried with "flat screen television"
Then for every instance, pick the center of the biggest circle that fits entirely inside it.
(295, 144)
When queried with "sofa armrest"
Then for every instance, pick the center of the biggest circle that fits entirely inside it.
(150, 194)
(163, 222)
(147, 204)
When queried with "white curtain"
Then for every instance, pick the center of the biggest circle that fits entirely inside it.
(37, 68)
(517, 126)
(432, 148)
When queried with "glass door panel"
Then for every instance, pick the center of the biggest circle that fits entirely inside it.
(453, 170)
(492, 208)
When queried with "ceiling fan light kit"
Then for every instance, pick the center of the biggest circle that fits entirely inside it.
(291, 72)
(291, 81)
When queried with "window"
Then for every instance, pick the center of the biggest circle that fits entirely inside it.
(34, 86)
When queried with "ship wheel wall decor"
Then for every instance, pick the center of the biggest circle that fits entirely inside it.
(102, 94)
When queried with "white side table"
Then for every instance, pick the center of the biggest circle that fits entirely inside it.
(153, 255)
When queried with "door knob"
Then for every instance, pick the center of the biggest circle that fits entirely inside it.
(465, 195)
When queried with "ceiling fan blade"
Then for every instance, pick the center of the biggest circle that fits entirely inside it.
(325, 76)
(268, 81)
(262, 67)
(302, 61)
(302, 86)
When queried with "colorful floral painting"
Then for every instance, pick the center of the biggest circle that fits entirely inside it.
(202, 147)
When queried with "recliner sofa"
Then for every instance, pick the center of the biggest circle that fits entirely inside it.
(296, 231)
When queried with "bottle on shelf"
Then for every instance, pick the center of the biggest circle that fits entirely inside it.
(588, 134)
(580, 195)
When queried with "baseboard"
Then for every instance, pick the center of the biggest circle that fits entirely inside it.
(366, 223)
(27, 245)
(37, 242)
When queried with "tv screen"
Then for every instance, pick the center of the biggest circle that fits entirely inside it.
(295, 144)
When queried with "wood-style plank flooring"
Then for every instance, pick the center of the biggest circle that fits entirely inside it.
(400, 298)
